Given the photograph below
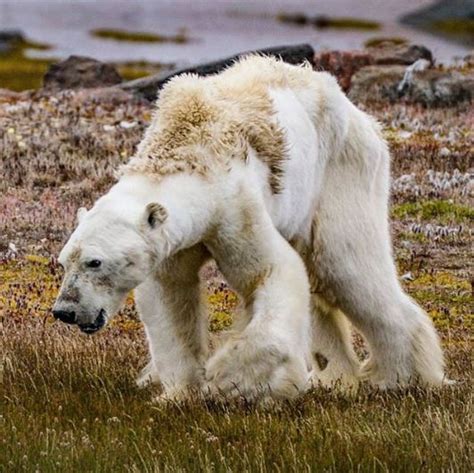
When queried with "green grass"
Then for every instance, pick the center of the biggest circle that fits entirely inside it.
(442, 211)
(138, 37)
(19, 72)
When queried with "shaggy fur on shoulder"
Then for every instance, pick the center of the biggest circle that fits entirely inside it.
(200, 124)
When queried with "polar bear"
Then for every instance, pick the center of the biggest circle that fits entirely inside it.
(270, 170)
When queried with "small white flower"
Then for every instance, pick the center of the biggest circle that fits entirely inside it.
(444, 152)
(126, 125)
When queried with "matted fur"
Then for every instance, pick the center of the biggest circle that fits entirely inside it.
(201, 123)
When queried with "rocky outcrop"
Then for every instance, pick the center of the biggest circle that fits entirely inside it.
(342, 64)
(386, 73)
(149, 86)
(402, 54)
(430, 87)
(80, 72)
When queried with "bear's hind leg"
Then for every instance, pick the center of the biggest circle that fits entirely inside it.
(334, 362)
(170, 307)
(354, 261)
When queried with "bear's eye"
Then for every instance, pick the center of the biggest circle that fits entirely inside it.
(93, 263)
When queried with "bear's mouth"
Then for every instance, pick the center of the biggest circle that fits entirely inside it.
(98, 323)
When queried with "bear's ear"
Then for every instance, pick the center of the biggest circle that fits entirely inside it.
(81, 213)
(155, 214)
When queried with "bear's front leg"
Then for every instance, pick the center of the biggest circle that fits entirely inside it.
(269, 357)
(169, 303)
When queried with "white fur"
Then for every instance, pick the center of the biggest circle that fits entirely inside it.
(333, 207)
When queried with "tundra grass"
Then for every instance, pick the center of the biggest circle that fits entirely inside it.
(68, 401)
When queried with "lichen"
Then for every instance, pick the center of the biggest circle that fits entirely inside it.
(138, 36)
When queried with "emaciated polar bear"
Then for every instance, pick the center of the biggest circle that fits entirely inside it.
(269, 169)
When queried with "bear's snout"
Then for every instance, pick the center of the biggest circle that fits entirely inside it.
(66, 316)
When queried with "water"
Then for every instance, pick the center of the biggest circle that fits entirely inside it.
(216, 28)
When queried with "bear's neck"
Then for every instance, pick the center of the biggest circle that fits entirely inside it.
(188, 199)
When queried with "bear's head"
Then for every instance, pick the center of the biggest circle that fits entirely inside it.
(111, 251)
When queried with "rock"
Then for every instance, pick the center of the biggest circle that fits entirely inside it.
(438, 88)
(148, 87)
(8, 38)
(7, 95)
(342, 64)
(11, 36)
(80, 72)
(430, 87)
(468, 59)
(403, 54)
(104, 95)
(371, 83)
(419, 65)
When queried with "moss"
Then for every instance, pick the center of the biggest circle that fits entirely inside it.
(222, 303)
(327, 22)
(456, 29)
(294, 18)
(442, 211)
(446, 297)
(454, 26)
(138, 37)
(345, 23)
(381, 41)
(19, 72)
(136, 70)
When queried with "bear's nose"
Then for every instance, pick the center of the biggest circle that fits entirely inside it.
(66, 316)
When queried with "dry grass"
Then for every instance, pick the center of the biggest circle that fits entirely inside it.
(68, 401)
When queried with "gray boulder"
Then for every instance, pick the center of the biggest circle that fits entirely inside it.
(8, 38)
(430, 87)
(402, 54)
(80, 72)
